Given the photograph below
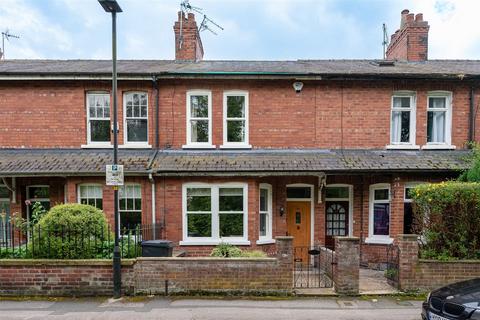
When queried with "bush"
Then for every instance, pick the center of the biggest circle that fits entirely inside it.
(472, 174)
(226, 250)
(447, 214)
(70, 231)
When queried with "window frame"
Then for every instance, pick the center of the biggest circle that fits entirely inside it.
(349, 199)
(27, 190)
(448, 120)
(411, 144)
(98, 144)
(215, 238)
(89, 185)
(241, 145)
(268, 238)
(372, 238)
(189, 143)
(141, 203)
(127, 143)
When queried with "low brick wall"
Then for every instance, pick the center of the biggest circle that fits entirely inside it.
(61, 277)
(151, 275)
(425, 275)
(346, 272)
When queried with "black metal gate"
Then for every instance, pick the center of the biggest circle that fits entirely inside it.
(313, 267)
(392, 271)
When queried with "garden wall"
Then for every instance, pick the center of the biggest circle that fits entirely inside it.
(425, 275)
(151, 275)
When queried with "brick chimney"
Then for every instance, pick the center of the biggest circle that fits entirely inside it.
(410, 42)
(188, 45)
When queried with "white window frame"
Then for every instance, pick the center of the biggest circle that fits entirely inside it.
(215, 238)
(350, 203)
(189, 143)
(126, 210)
(267, 239)
(133, 144)
(232, 145)
(448, 120)
(413, 120)
(409, 185)
(96, 144)
(79, 198)
(379, 239)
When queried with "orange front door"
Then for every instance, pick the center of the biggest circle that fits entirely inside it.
(298, 226)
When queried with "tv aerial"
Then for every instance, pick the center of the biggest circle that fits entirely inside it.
(185, 8)
(385, 40)
(6, 35)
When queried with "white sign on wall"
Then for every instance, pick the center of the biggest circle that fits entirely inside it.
(114, 175)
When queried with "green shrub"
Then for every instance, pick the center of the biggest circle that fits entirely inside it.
(473, 173)
(70, 231)
(226, 250)
(447, 214)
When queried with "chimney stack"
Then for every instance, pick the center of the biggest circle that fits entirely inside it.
(410, 42)
(188, 45)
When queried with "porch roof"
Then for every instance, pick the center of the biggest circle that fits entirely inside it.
(70, 162)
(75, 162)
(182, 162)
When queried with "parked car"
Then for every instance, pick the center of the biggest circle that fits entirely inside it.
(457, 301)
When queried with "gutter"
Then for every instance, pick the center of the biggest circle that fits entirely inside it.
(157, 112)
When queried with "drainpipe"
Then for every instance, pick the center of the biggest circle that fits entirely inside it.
(157, 110)
(471, 117)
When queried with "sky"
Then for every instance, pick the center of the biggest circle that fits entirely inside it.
(253, 29)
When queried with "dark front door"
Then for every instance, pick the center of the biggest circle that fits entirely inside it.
(336, 221)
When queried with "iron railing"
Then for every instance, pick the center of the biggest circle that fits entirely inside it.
(36, 242)
(392, 268)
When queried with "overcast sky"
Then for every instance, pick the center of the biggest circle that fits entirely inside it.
(253, 29)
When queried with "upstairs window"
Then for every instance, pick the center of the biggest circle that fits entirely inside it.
(98, 118)
(199, 115)
(403, 119)
(439, 119)
(235, 119)
(91, 194)
(136, 118)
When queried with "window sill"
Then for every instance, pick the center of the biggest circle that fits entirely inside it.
(266, 241)
(237, 146)
(198, 146)
(136, 146)
(96, 146)
(214, 242)
(438, 147)
(402, 147)
(379, 240)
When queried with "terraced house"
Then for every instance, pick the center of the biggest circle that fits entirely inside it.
(242, 151)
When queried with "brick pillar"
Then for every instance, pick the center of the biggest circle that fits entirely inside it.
(346, 275)
(407, 260)
(397, 207)
(285, 259)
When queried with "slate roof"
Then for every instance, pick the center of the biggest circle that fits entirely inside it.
(189, 162)
(309, 161)
(70, 161)
(431, 68)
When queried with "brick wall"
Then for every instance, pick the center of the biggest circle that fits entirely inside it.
(61, 277)
(150, 275)
(326, 114)
(424, 275)
(346, 274)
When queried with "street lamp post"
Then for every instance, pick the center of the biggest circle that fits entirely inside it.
(113, 7)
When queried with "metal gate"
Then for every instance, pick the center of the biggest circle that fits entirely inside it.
(313, 267)
(392, 271)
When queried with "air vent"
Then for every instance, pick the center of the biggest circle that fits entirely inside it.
(453, 309)
(383, 63)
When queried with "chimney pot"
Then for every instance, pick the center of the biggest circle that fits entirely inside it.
(419, 17)
(188, 44)
(191, 16)
(405, 12)
(410, 17)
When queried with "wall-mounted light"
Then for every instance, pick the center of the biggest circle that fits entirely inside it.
(282, 211)
(298, 86)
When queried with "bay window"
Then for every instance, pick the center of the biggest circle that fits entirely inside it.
(199, 115)
(439, 118)
(235, 119)
(136, 118)
(214, 213)
(379, 214)
(98, 118)
(402, 127)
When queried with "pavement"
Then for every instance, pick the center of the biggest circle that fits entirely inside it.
(200, 309)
